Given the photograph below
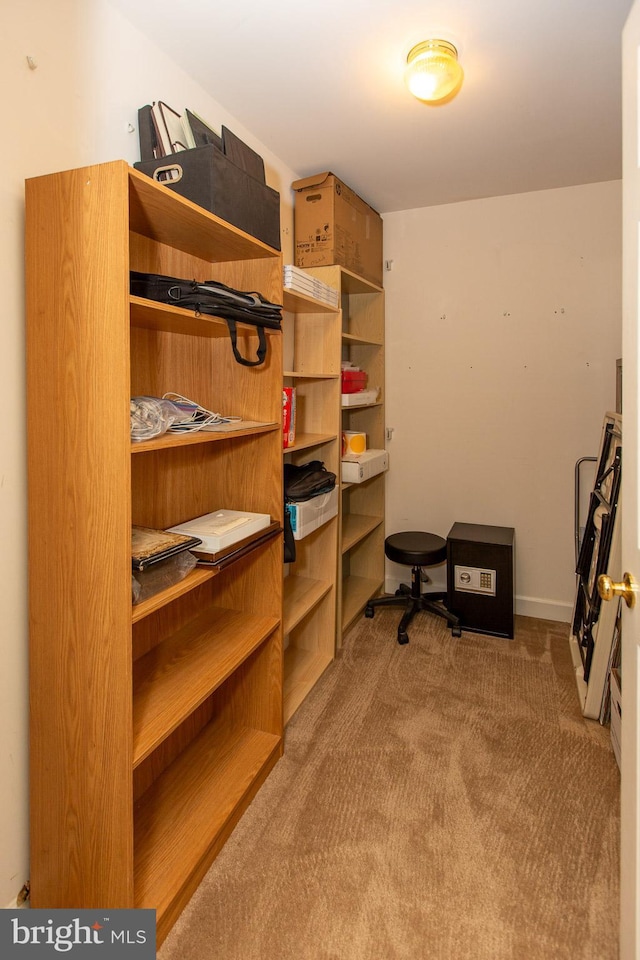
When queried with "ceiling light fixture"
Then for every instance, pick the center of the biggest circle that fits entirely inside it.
(433, 72)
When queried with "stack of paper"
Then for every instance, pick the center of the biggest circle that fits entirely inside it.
(296, 279)
(223, 527)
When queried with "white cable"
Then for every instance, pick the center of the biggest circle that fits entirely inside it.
(198, 416)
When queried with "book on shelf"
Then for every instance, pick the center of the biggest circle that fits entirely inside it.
(226, 555)
(293, 278)
(149, 546)
(222, 528)
(172, 134)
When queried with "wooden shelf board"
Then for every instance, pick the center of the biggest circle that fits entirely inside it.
(353, 283)
(296, 302)
(355, 593)
(304, 440)
(355, 527)
(298, 375)
(300, 596)
(360, 406)
(153, 315)
(168, 440)
(191, 581)
(370, 481)
(178, 675)
(302, 670)
(186, 815)
(351, 338)
(157, 212)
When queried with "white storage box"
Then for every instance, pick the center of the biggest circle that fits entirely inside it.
(222, 528)
(360, 399)
(616, 713)
(367, 465)
(311, 514)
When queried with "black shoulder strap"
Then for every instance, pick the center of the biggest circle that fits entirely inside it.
(262, 344)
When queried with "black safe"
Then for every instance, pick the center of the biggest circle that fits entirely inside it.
(480, 577)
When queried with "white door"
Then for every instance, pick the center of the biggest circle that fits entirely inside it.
(630, 812)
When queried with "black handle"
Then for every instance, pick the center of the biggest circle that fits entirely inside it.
(262, 345)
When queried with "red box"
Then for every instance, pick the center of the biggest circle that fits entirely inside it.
(353, 381)
(288, 416)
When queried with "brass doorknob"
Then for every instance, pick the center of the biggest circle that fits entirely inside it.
(627, 589)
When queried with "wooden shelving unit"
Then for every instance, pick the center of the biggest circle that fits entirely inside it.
(152, 726)
(312, 366)
(361, 554)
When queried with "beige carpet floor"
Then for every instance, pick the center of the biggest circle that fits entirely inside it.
(442, 800)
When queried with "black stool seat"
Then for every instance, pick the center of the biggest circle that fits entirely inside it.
(411, 547)
(416, 549)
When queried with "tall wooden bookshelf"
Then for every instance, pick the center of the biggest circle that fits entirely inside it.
(361, 536)
(312, 366)
(152, 726)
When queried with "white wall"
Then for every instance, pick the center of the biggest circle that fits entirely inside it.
(503, 328)
(93, 72)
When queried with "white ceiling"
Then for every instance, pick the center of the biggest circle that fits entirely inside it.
(320, 84)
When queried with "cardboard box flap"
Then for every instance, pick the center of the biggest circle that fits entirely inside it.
(315, 181)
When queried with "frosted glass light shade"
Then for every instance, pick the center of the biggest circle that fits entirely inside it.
(433, 72)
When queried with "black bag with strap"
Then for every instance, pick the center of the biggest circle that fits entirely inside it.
(302, 482)
(214, 299)
(289, 542)
(306, 480)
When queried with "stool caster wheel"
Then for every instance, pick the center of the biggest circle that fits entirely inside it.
(403, 637)
(456, 632)
(368, 612)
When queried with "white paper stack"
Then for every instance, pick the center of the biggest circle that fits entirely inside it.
(293, 278)
(223, 527)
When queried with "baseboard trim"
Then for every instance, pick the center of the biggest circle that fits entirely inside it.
(544, 609)
(536, 607)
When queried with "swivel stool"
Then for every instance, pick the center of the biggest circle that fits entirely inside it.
(415, 549)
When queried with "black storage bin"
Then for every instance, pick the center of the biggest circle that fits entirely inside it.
(209, 178)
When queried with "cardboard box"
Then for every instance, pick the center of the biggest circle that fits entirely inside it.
(616, 713)
(367, 465)
(308, 515)
(333, 225)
